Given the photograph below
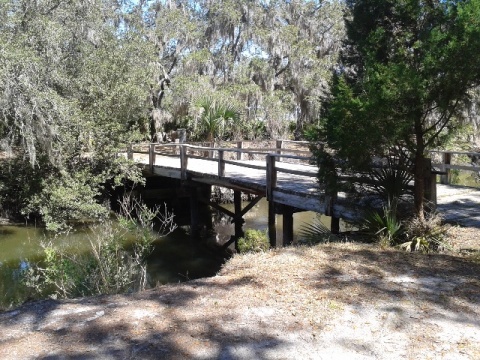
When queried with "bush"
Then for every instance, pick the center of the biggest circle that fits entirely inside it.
(108, 268)
(411, 234)
(316, 233)
(253, 241)
(384, 225)
(424, 236)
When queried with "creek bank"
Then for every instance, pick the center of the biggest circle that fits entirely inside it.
(332, 301)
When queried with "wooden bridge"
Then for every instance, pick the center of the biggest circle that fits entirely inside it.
(283, 173)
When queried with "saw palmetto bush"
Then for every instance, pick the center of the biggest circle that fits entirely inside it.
(392, 180)
(384, 224)
(215, 116)
(315, 233)
(424, 236)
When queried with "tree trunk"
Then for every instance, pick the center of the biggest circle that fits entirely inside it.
(419, 186)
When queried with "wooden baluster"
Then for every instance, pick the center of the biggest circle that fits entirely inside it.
(447, 158)
(183, 162)
(279, 145)
(130, 152)
(211, 152)
(177, 147)
(239, 146)
(221, 164)
(271, 176)
(151, 156)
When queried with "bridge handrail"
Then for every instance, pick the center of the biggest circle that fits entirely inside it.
(445, 165)
(255, 151)
(271, 154)
(455, 152)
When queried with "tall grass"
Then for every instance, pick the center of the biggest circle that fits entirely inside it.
(109, 267)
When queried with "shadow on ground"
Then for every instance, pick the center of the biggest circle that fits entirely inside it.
(255, 309)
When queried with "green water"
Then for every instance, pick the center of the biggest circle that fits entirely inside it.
(175, 257)
(257, 218)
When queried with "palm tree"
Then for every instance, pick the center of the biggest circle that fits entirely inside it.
(215, 116)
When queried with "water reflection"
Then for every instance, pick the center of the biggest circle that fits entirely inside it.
(257, 218)
(175, 258)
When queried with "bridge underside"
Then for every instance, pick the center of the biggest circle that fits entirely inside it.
(282, 202)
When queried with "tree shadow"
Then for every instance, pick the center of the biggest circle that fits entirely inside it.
(201, 319)
(161, 326)
(448, 284)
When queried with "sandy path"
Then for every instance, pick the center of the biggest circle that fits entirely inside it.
(341, 301)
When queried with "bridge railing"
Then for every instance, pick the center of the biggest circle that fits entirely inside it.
(282, 157)
(273, 158)
(446, 161)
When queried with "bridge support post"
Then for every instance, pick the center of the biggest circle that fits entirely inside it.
(194, 214)
(237, 201)
(329, 211)
(287, 225)
(271, 184)
(335, 225)
(272, 226)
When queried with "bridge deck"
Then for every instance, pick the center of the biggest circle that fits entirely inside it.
(294, 190)
(459, 204)
(456, 204)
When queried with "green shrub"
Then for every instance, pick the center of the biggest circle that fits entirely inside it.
(253, 241)
(384, 224)
(109, 268)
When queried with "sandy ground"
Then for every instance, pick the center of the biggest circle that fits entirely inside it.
(337, 301)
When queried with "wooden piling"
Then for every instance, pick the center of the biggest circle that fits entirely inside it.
(329, 211)
(445, 178)
(194, 214)
(287, 225)
(272, 226)
(238, 220)
(335, 225)
(271, 184)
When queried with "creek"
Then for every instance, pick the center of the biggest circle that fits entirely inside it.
(175, 257)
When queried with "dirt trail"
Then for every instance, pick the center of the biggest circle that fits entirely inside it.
(339, 301)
